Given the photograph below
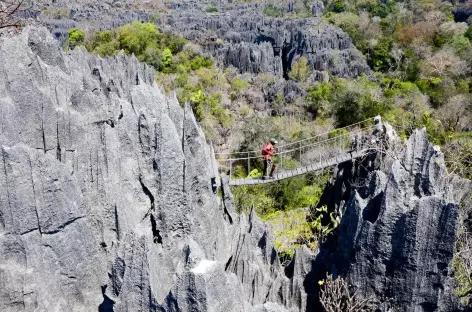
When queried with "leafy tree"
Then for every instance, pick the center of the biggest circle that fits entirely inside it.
(300, 70)
(76, 37)
(357, 100)
(238, 84)
(380, 58)
(273, 11)
(460, 43)
(135, 37)
(199, 62)
(317, 97)
(152, 55)
(380, 10)
(166, 60)
(468, 33)
(337, 6)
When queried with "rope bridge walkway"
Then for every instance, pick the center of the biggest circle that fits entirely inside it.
(308, 155)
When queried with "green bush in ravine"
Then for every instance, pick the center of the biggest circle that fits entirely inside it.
(211, 9)
(76, 37)
(337, 6)
(284, 205)
(317, 98)
(296, 192)
(272, 10)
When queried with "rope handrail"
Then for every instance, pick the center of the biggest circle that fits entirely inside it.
(299, 141)
(301, 147)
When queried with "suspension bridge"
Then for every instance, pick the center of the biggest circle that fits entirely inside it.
(308, 155)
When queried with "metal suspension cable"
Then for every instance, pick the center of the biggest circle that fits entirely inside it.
(297, 142)
(326, 133)
(301, 147)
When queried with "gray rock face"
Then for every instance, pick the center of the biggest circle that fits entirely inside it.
(106, 198)
(256, 43)
(240, 36)
(397, 235)
(107, 202)
(317, 8)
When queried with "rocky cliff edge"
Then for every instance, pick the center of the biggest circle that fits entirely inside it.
(107, 198)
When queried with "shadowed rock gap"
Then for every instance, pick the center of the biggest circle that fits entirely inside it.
(107, 305)
(148, 193)
(155, 232)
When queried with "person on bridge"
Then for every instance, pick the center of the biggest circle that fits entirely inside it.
(267, 152)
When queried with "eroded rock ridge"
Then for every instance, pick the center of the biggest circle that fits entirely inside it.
(106, 195)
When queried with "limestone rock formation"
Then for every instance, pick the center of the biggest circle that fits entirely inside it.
(396, 239)
(108, 201)
(239, 35)
(255, 43)
(107, 196)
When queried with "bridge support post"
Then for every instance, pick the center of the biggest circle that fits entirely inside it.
(300, 153)
(248, 164)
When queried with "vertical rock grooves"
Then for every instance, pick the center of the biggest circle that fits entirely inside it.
(395, 241)
(117, 223)
(147, 193)
(58, 147)
(227, 198)
(184, 169)
(34, 197)
(214, 260)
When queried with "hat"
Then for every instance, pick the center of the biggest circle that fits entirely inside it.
(273, 141)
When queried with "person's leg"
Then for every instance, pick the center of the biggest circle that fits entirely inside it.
(265, 168)
(272, 170)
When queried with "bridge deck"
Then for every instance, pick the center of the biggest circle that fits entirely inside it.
(302, 170)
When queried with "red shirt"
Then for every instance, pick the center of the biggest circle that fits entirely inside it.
(267, 151)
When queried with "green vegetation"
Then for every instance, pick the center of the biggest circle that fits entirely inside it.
(144, 41)
(57, 13)
(279, 204)
(76, 37)
(211, 9)
(300, 70)
(272, 10)
(297, 227)
(421, 59)
(297, 192)
(179, 64)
